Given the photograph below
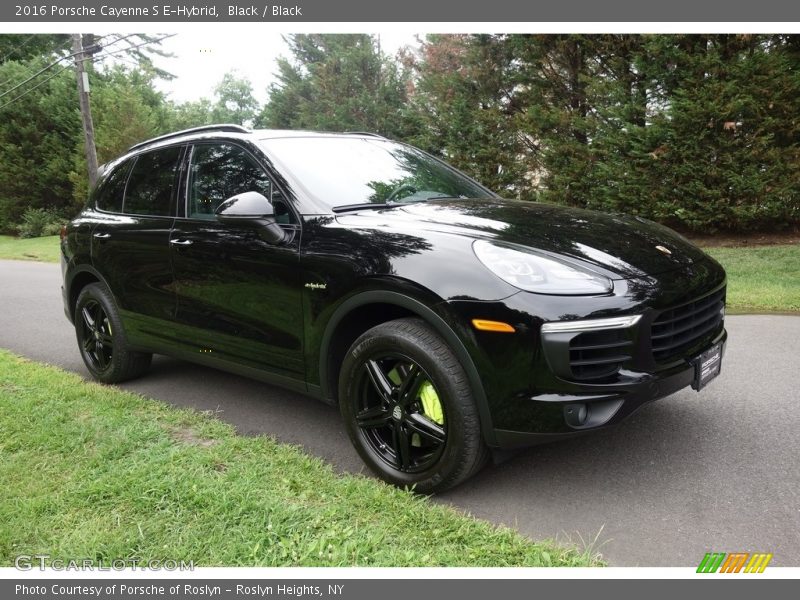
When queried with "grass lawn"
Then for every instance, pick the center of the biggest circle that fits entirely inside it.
(762, 278)
(45, 249)
(91, 471)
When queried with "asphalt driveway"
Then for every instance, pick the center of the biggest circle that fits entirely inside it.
(719, 470)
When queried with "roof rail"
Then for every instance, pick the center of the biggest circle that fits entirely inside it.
(223, 127)
(367, 133)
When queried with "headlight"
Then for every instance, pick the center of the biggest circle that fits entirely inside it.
(533, 272)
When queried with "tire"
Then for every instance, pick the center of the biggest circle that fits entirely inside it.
(101, 338)
(409, 408)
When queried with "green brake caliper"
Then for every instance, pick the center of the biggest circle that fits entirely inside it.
(431, 405)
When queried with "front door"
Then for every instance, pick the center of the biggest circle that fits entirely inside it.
(239, 297)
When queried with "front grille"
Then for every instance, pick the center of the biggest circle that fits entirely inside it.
(678, 329)
(598, 355)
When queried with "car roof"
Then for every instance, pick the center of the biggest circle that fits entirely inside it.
(238, 131)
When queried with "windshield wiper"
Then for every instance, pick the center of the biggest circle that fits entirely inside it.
(371, 205)
(362, 206)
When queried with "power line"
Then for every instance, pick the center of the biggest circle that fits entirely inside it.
(57, 73)
(128, 61)
(118, 40)
(107, 54)
(41, 83)
(17, 50)
(53, 64)
(102, 37)
(39, 72)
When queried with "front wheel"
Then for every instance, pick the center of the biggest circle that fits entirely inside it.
(101, 339)
(409, 408)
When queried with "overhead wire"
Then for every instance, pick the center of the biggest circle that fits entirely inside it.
(17, 50)
(99, 58)
(39, 72)
(41, 83)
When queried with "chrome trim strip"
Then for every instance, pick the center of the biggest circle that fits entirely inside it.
(590, 324)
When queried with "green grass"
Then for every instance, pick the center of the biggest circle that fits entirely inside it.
(762, 278)
(89, 471)
(45, 249)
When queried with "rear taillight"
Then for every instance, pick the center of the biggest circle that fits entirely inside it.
(63, 232)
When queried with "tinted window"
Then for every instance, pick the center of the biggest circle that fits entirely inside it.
(112, 188)
(220, 171)
(149, 190)
(340, 171)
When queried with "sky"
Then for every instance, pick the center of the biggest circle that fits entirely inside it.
(201, 60)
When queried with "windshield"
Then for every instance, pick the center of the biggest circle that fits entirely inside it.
(340, 171)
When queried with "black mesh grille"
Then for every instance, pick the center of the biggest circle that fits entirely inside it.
(677, 329)
(597, 355)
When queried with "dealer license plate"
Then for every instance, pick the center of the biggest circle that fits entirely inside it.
(707, 366)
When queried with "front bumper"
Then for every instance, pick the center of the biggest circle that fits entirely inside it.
(555, 414)
(532, 378)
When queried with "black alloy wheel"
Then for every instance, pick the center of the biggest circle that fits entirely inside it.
(96, 333)
(400, 414)
(409, 408)
(101, 338)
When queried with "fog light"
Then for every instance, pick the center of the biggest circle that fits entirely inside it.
(576, 414)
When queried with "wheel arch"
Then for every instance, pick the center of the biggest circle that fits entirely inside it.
(79, 279)
(363, 311)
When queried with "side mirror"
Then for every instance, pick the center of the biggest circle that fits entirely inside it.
(251, 208)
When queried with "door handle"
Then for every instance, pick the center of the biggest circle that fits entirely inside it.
(181, 242)
(102, 236)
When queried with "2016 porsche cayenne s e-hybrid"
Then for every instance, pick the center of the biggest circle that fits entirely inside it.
(442, 320)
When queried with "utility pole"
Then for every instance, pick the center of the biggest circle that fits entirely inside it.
(81, 55)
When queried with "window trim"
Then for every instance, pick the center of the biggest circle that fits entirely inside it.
(187, 165)
(134, 157)
(125, 162)
(176, 179)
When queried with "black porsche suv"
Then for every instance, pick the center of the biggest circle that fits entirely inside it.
(443, 320)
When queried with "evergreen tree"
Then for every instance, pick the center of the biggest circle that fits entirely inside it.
(191, 114)
(42, 163)
(697, 131)
(463, 101)
(127, 109)
(38, 138)
(24, 47)
(235, 102)
(718, 146)
(337, 83)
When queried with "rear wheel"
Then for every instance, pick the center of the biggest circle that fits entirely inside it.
(409, 408)
(101, 339)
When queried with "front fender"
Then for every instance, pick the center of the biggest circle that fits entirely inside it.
(433, 315)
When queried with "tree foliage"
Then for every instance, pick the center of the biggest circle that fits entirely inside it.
(696, 131)
(24, 47)
(126, 109)
(38, 139)
(462, 101)
(235, 101)
(337, 83)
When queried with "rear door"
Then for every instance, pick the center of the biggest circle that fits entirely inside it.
(130, 245)
(239, 296)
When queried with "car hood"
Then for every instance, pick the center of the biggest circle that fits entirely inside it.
(621, 246)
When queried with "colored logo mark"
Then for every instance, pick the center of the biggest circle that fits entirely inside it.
(734, 562)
